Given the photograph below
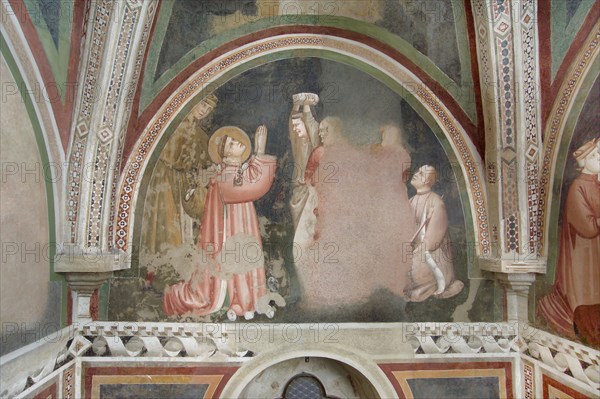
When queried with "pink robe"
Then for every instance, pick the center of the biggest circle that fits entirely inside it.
(578, 267)
(229, 211)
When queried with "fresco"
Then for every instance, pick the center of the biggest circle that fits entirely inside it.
(567, 18)
(421, 23)
(301, 190)
(187, 30)
(572, 306)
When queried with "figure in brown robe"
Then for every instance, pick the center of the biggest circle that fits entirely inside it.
(573, 306)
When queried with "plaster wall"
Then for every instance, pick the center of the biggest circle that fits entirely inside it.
(29, 302)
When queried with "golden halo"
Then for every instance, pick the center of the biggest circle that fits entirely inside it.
(235, 133)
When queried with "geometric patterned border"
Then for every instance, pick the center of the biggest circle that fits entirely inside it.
(215, 376)
(211, 380)
(400, 373)
(506, 33)
(88, 92)
(106, 132)
(496, 54)
(68, 391)
(403, 376)
(528, 381)
(457, 137)
(504, 344)
(502, 41)
(129, 99)
(556, 390)
(531, 117)
(112, 53)
(209, 342)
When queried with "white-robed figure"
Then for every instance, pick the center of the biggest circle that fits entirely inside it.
(304, 138)
(432, 270)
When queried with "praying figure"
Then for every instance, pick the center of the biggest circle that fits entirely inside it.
(432, 270)
(573, 306)
(229, 230)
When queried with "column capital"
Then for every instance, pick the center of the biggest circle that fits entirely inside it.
(519, 282)
(516, 286)
(83, 285)
(514, 265)
(74, 259)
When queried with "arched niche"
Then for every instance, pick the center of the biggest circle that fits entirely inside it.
(465, 160)
(332, 378)
(462, 159)
(577, 130)
(571, 123)
(559, 129)
(341, 372)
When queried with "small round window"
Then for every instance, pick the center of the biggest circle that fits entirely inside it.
(304, 386)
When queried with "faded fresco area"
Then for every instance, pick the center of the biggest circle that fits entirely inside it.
(301, 190)
(569, 301)
(420, 24)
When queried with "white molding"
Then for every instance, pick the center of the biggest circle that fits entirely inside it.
(34, 361)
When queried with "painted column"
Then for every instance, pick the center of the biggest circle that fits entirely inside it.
(507, 43)
(516, 287)
(115, 40)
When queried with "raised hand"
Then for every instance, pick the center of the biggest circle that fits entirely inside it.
(260, 140)
(311, 99)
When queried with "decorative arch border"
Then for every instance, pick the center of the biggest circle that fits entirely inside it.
(457, 139)
(558, 134)
(362, 364)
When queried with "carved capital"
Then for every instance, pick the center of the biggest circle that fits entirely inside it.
(514, 265)
(83, 285)
(74, 259)
(516, 287)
